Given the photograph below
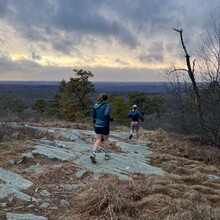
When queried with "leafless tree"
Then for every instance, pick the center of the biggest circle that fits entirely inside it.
(198, 106)
(209, 52)
(209, 67)
(190, 72)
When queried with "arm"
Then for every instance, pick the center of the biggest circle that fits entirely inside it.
(107, 113)
(107, 110)
(94, 115)
(141, 117)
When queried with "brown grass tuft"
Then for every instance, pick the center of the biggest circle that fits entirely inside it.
(110, 197)
(8, 133)
(61, 124)
(182, 146)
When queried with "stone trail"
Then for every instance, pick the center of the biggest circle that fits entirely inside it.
(130, 159)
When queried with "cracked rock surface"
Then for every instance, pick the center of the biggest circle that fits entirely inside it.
(56, 168)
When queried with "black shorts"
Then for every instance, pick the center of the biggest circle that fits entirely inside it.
(102, 130)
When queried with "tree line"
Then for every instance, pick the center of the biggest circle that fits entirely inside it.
(74, 100)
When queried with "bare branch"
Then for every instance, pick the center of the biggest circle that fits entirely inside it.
(194, 64)
(191, 75)
(181, 30)
(175, 70)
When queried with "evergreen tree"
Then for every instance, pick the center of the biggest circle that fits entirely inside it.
(40, 105)
(73, 97)
(119, 110)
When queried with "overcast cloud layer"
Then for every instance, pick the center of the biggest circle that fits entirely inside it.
(122, 40)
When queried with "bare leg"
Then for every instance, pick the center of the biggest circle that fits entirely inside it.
(137, 131)
(98, 141)
(131, 130)
(106, 145)
(95, 147)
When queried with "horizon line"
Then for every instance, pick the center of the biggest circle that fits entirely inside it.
(54, 81)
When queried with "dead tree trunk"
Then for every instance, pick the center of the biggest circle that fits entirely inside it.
(190, 70)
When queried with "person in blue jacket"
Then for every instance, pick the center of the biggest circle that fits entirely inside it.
(101, 119)
(135, 117)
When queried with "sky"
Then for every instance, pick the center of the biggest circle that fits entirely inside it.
(117, 40)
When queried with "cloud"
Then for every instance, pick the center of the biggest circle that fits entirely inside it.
(126, 74)
(9, 65)
(154, 54)
(87, 17)
(41, 20)
(28, 70)
(3, 7)
(121, 62)
(90, 30)
(2, 41)
(4, 58)
(35, 56)
(123, 21)
(152, 58)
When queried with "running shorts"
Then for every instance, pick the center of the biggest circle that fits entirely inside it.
(102, 130)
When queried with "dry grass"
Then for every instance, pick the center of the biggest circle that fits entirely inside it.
(60, 124)
(150, 197)
(183, 193)
(8, 133)
(182, 146)
(13, 150)
(110, 198)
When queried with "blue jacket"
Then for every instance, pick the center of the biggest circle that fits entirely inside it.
(101, 114)
(135, 116)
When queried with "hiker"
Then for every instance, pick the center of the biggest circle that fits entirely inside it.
(135, 117)
(101, 119)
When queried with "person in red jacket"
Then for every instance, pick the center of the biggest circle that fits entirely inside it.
(135, 117)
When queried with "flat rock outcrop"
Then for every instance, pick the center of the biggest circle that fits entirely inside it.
(70, 146)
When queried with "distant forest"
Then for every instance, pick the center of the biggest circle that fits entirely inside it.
(32, 91)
